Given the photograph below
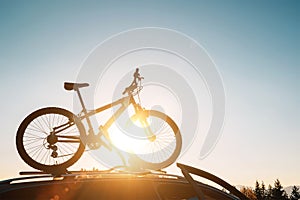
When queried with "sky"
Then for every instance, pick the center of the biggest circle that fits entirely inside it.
(255, 46)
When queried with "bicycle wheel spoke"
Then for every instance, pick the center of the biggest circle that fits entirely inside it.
(46, 117)
(32, 147)
(61, 121)
(60, 158)
(45, 153)
(32, 136)
(37, 152)
(29, 138)
(31, 142)
(44, 121)
(45, 157)
(40, 125)
(49, 158)
(52, 117)
(37, 128)
(69, 146)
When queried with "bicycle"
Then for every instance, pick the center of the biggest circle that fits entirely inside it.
(52, 139)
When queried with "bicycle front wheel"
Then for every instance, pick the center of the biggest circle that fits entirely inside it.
(162, 144)
(49, 139)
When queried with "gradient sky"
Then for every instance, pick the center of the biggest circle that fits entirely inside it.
(255, 45)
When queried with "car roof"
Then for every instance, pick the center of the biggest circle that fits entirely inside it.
(150, 184)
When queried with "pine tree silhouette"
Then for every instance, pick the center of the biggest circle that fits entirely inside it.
(295, 195)
(263, 191)
(278, 193)
(269, 193)
(272, 193)
(258, 191)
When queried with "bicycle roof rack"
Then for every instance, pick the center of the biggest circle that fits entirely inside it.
(87, 174)
(116, 169)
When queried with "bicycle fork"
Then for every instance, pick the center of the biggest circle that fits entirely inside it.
(142, 115)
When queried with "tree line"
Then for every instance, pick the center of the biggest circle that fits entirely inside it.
(260, 192)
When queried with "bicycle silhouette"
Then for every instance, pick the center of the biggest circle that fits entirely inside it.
(52, 139)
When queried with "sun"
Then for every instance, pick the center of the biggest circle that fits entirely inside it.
(126, 142)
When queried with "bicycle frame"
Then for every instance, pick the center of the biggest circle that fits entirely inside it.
(124, 102)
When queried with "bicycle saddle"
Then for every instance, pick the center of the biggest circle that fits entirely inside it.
(74, 86)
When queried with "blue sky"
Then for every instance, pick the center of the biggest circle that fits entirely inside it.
(255, 45)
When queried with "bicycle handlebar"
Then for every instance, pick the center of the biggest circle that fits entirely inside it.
(137, 75)
(133, 85)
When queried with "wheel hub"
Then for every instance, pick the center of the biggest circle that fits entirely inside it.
(52, 139)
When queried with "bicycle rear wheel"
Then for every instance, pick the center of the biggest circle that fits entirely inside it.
(162, 146)
(49, 139)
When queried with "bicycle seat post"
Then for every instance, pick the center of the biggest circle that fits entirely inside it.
(85, 112)
(81, 101)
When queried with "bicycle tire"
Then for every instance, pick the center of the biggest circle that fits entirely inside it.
(32, 131)
(164, 128)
